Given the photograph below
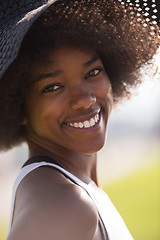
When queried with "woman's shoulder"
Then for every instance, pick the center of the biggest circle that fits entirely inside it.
(53, 206)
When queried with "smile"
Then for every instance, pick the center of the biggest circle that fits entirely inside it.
(86, 124)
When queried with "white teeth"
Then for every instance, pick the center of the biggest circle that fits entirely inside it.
(76, 125)
(87, 123)
(80, 125)
(92, 122)
(97, 118)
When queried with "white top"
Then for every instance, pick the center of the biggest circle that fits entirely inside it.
(113, 222)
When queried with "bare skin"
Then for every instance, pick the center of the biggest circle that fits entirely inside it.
(72, 88)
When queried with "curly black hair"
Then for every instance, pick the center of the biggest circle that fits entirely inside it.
(123, 42)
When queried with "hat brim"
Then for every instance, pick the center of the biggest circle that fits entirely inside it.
(13, 31)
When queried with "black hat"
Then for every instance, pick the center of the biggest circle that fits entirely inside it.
(16, 17)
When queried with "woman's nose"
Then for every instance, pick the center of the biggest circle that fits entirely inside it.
(81, 98)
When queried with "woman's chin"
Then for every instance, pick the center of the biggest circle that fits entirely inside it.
(91, 149)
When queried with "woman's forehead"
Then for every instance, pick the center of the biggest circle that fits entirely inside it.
(67, 51)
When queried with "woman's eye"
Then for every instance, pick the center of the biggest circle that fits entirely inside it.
(51, 88)
(93, 73)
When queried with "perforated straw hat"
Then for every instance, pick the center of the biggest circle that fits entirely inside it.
(16, 17)
(149, 8)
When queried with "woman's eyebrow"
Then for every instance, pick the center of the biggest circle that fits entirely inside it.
(88, 63)
(47, 75)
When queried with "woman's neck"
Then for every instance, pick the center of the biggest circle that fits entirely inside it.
(83, 166)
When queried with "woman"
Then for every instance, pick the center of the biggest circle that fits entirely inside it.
(58, 85)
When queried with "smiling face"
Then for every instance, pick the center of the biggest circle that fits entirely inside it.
(69, 101)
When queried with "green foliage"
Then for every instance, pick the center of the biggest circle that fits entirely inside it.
(137, 198)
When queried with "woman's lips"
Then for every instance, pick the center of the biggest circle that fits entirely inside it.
(87, 123)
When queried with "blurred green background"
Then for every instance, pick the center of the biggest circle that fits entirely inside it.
(137, 198)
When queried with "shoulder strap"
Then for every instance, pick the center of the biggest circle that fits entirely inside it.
(41, 159)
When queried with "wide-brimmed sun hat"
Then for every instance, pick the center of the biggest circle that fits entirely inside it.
(16, 17)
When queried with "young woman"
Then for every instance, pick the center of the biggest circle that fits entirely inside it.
(63, 66)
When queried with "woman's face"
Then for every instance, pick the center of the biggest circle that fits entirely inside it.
(69, 102)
